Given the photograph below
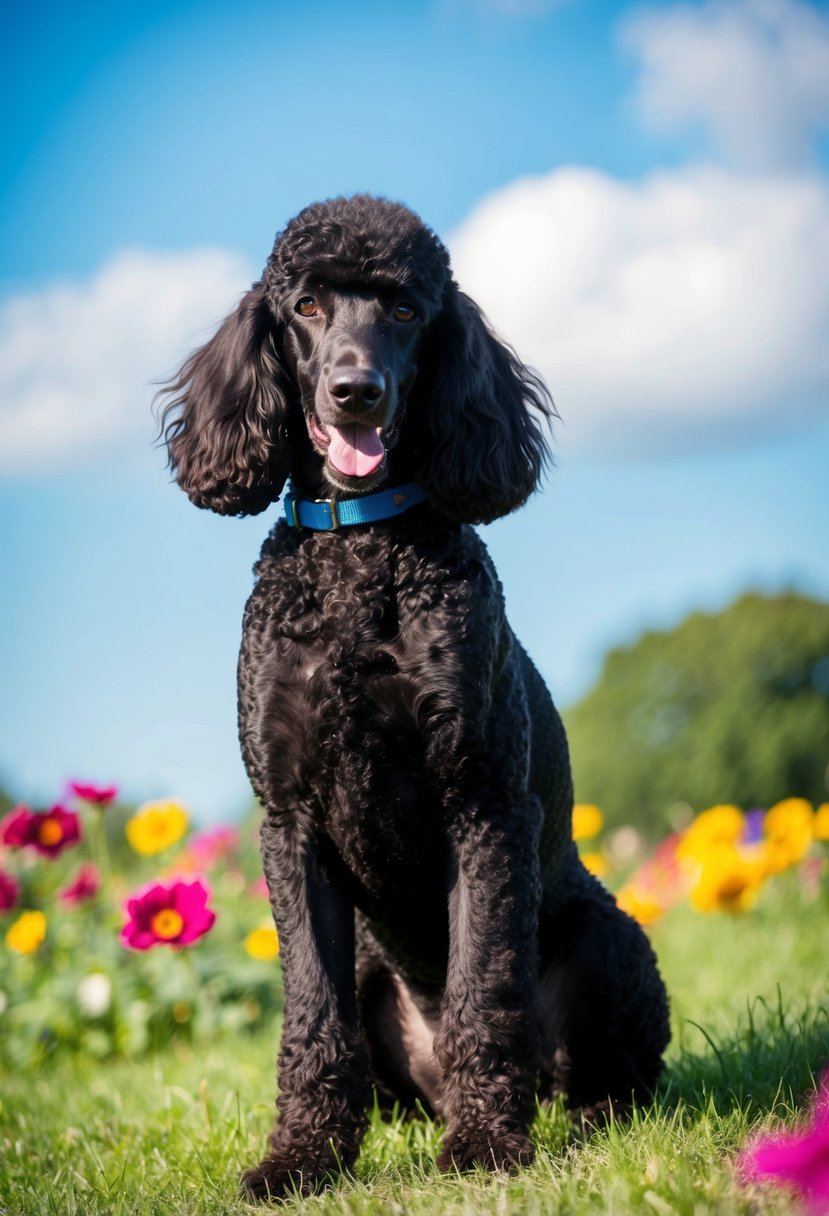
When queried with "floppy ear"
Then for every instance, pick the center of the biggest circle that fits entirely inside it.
(225, 420)
(483, 413)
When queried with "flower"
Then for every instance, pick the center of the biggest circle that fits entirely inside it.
(789, 831)
(799, 1158)
(639, 903)
(713, 828)
(48, 832)
(753, 825)
(663, 877)
(94, 994)
(27, 933)
(596, 863)
(728, 880)
(263, 943)
(208, 848)
(9, 892)
(100, 795)
(84, 886)
(172, 914)
(821, 824)
(587, 821)
(156, 825)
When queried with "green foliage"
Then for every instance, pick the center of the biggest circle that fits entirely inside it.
(727, 707)
(83, 993)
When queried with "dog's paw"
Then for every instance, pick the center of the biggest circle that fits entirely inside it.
(277, 1178)
(494, 1151)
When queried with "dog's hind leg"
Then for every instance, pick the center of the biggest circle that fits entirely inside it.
(602, 1007)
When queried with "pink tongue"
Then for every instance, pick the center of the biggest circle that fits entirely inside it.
(355, 449)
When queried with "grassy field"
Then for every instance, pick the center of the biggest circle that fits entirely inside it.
(171, 1133)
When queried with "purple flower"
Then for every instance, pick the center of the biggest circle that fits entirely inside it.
(754, 826)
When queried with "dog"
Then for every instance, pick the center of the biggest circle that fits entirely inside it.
(441, 940)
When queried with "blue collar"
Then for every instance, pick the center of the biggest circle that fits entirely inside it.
(327, 514)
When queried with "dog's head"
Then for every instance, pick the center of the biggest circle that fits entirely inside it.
(355, 361)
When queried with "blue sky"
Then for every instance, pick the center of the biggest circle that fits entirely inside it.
(637, 194)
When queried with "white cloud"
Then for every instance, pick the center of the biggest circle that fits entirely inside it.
(688, 306)
(754, 72)
(76, 360)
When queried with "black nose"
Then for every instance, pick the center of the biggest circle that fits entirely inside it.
(356, 388)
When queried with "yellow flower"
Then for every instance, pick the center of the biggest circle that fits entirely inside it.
(263, 943)
(587, 821)
(789, 828)
(642, 905)
(156, 825)
(729, 880)
(822, 822)
(596, 863)
(718, 827)
(27, 933)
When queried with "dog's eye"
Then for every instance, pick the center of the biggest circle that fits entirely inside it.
(307, 307)
(403, 312)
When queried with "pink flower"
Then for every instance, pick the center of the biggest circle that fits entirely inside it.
(800, 1158)
(85, 885)
(9, 892)
(48, 832)
(171, 914)
(208, 848)
(101, 795)
(260, 888)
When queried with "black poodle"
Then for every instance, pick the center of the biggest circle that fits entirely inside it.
(441, 941)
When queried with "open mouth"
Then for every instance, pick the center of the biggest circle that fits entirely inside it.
(353, 449)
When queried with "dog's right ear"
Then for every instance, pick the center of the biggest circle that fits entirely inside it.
(225, 418)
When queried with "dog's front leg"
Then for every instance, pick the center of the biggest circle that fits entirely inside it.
(487, 1043)
(323, 1065)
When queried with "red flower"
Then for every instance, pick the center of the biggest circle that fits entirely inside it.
(48, 832)
(101, 795)
(209, 848)
(9, 892)
(86, 885)
(800, 1158)
(172, 914)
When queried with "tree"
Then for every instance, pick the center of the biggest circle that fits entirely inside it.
(728, 707)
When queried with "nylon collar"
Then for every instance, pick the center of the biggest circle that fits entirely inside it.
(328, 514)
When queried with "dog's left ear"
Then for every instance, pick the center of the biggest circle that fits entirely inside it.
(481, 416)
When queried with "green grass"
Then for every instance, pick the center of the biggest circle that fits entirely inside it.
(170, 1134)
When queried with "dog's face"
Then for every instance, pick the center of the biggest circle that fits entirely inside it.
(355, 360)
(352, 348)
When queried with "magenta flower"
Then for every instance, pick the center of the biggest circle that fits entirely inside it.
(208, 848)
(171, 914)
(85, 885)
(101, 795)
(48, 832)
(9, 892)
(799, 1158)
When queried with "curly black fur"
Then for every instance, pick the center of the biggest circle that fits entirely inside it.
(440, 938)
